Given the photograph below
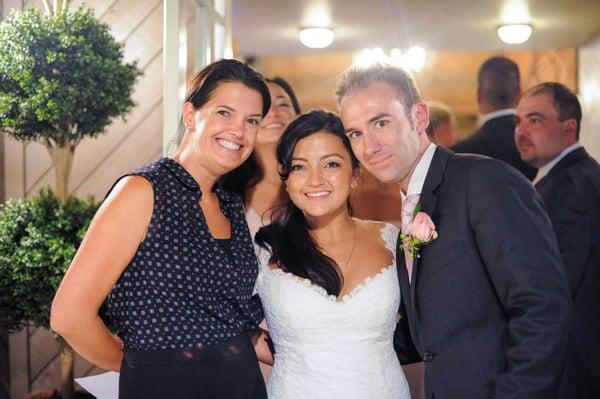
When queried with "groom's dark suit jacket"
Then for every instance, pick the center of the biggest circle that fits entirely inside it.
(571, 191)
(488, 306)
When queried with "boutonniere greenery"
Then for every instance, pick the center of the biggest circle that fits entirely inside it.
(422, 232)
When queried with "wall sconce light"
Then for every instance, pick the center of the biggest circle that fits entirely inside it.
(316, 37)
(515, 33)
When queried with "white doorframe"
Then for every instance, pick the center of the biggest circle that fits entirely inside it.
(211, 40)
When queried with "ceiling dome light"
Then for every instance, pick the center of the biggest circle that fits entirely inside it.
(515, 33)
(316, 37)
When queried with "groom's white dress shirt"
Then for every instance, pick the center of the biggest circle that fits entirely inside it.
(415, 184)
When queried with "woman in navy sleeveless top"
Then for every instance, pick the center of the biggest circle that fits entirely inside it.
(172, 251)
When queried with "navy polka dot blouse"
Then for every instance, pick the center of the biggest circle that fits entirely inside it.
(184, 288)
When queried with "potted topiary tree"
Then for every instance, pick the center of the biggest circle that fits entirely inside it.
(62, 79)
(38, 238)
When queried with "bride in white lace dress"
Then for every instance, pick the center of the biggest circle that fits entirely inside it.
(327, 281)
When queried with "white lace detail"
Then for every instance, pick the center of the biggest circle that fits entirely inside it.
(321, 291)
(330, 348)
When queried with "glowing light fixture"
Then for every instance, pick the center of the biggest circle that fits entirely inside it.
(316, 37)
(370, 56)
(515, 33)
(416, 58)
(412, 60)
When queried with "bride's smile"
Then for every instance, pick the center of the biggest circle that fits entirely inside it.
(320, 175)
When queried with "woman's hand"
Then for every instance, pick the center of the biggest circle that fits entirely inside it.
(262, 345)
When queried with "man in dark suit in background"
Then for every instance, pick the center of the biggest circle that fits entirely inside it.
(568, 179)
(486, 303)
(497, 95)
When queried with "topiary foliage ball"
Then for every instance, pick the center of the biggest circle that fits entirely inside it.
(62, 77)
(38, 239)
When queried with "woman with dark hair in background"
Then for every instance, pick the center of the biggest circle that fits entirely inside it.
(172, 250)
(257, 181)
(327, 281)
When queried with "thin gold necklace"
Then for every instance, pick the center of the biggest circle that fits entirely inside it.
(353, 246)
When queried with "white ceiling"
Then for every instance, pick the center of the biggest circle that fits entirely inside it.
(267, 27)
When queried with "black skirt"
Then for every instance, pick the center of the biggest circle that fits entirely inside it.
(227, 370)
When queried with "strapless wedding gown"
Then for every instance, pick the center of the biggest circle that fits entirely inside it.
(333, 348)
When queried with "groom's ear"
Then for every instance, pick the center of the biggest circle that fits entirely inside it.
(420, 116)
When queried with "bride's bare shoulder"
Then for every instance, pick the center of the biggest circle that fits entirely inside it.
(374, 228)
(374, 225)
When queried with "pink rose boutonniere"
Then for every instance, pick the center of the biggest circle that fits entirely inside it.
(422, 232)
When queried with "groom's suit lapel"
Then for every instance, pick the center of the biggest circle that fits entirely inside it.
(428, 201)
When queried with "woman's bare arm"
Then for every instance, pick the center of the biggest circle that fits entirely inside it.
(109, 245)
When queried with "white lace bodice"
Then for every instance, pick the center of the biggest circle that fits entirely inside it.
(328, 347)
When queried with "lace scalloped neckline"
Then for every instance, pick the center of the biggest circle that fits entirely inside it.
(332, 298)
(359, 287)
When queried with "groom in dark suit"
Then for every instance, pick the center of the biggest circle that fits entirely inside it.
(487, 302)
(568, 179)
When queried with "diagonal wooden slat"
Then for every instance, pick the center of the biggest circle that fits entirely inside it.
(142, 21)
(117, 145)
(101, 16)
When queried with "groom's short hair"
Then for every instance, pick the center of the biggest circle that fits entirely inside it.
(359, 77)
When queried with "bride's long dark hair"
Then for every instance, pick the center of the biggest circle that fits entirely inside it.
(287, 237)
